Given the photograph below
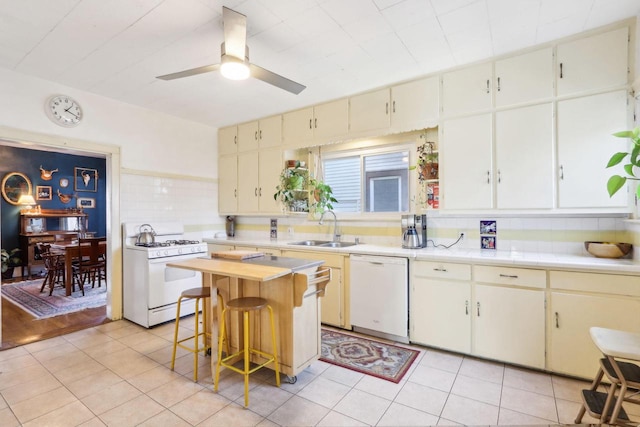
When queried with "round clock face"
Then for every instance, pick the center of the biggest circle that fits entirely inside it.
(64, 182)
(64, 110)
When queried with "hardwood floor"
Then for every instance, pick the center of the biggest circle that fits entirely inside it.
(20, 327)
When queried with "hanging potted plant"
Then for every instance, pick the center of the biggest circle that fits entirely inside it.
(616, 182)
(10, 260)
(427, 164)
(322, 196)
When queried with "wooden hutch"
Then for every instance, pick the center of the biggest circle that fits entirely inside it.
(47, 226)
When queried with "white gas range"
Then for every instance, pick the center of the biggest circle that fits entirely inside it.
(150, 288)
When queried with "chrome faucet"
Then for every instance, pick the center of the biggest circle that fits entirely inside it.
(336, 236)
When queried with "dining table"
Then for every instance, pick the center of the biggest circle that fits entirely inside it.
(73, 251)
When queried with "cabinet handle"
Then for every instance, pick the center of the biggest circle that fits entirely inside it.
(444, 270)
(466, 307)
(255, 191)
(478, 308)
(561, 172)
(235, 193)
(387, 108)
(394, 106)
(557, 321)
(315, 123)
(499, 177)
(488, 177)
(487, 85)
(235, 139)
(310, 120)
(260, 191)
(255, 136)
(498, 84)
(260, 134)
(509, 276)
(561, 71)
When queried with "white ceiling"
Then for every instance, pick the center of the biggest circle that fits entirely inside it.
(115, 48)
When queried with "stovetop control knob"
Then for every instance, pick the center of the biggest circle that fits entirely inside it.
(180, 251)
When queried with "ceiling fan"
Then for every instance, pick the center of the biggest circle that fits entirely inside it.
(234, 62)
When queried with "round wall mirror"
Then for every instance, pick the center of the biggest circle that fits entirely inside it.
(14, 185)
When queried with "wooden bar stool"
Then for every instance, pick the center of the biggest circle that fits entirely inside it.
(247, 305)
(201, 293)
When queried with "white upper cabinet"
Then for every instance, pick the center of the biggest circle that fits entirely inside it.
(369, 111)
(585, 144)
(330, 120)
(524, 78)
(593, 63)
(259, 134)
(466, 163)
(405, 107)
(270, 165)
(227, 140)
(524, 158)
(467, 90)
(228, 184)
(414, 105)
(315, 125)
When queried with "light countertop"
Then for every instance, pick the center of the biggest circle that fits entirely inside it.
(463, 255)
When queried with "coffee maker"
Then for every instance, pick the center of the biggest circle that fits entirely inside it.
(414, 231)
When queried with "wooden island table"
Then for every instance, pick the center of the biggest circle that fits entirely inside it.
(293, 288)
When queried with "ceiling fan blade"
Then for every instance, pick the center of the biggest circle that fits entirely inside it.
(276, 79)
(191, 72)
(235, 33)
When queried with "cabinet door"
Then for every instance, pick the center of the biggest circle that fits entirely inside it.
(585, 144)
(593, 63)
(297, 128)
(434, 301)
(269, 167)
(466, 157)
(228, 184)
(414, 105)
(571, 348)
(248, 182)
(369, 111)
(466, 90)
(270, 132)
(330, 120)
(508, 325)
(524, 78)
(524, 160)
(227, 140)
(248, 136)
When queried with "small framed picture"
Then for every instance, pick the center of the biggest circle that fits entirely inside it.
(488, 227)
(43, 192)
(487, 242)
(86, 179)
(86, 202)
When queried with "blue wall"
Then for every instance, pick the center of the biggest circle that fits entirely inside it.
(28, 162)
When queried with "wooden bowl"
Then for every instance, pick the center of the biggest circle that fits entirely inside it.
(608, 249)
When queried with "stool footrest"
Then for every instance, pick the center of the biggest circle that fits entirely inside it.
(594, 402)
(270, 359)
(630, 371)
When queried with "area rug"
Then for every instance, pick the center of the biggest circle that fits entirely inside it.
(370, 357)
(28, 297)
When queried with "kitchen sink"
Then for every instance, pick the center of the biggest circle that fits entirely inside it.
(323, 243)
(311, 242)
(337, 244)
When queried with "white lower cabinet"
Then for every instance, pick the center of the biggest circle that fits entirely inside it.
(580, 301)
(495, 321)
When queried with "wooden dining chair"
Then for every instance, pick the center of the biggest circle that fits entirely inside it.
(54, 265)
(93, 265)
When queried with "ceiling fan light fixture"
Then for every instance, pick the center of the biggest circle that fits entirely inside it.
(234, 68)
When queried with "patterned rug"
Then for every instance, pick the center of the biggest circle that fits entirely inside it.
(28, 297)
(375, 358)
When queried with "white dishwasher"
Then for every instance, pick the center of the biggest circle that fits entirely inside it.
(380, 296)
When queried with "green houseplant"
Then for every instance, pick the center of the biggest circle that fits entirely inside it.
(10, 259)
(292, 189)
(616, 182)
(322, 196)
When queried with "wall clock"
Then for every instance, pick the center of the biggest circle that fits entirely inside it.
(63, 110)
(64, 182)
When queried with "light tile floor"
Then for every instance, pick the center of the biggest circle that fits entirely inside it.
(118, 374)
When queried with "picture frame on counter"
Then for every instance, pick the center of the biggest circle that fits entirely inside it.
(86, 202)
(86, 179)
(43, 192)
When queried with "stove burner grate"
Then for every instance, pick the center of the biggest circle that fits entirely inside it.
(168, 243)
